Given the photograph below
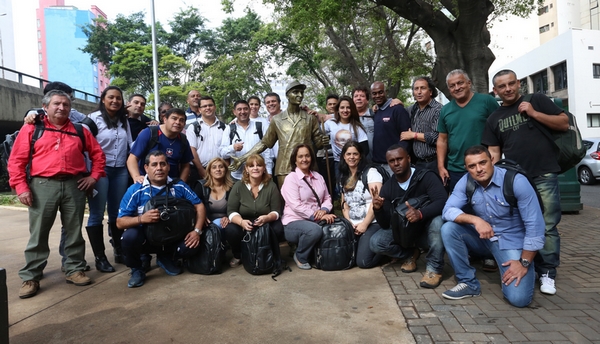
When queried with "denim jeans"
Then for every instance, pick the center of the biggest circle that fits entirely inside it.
(382, 242)
(304, 233)
(548, 258)
(110, 192)
(460, 239)
(365, 258)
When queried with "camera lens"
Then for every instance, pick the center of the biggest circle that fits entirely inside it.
(164, 215)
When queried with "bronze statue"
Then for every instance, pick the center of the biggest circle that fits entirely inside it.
(290, 128)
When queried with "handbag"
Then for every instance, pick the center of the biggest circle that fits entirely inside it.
(177, 218)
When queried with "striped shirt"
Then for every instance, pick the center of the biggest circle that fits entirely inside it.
(425, 121)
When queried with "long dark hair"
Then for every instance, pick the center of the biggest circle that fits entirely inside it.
(354, 117)
(121, 113)
(348, 181)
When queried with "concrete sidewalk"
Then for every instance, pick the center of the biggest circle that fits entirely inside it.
(355, 306)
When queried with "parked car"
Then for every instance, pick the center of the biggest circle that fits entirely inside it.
(588, 169)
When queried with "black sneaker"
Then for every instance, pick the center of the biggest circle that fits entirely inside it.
(168, 264)
(138, 276)
(489, 265)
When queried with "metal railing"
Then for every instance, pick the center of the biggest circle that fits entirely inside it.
(76, 93)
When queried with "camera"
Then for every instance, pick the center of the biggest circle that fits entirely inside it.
(164, 215)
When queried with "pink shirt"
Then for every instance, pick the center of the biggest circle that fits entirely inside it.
(300, 202)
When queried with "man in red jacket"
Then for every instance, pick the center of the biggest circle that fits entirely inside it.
(56, 179)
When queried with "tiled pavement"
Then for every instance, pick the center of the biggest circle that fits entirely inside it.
(570, 316)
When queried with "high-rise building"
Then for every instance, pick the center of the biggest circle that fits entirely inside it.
(559, 16)
(7, 46)
(60, 38)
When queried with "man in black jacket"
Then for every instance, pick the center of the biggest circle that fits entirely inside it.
(416, 182)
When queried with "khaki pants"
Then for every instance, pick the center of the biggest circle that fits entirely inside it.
(49, 196)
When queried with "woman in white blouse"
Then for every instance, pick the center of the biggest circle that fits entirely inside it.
(114, 136)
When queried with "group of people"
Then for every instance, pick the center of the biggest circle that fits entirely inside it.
(255, 171)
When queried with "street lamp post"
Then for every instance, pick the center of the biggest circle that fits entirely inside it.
(2, 48)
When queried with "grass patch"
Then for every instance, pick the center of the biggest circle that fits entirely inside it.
(9, 199)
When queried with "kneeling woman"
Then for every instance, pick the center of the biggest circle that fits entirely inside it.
(307, 202)
(253, 201)
(356, 200)
(215, 192)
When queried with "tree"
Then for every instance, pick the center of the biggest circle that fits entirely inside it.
(349, 43)
(458, 28)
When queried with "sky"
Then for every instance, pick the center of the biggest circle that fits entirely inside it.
(25, 20)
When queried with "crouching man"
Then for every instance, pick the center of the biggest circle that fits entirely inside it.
(133, 221)
(512, 236)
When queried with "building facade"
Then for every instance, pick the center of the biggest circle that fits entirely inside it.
(60, 38)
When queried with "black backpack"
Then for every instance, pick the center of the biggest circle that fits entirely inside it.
(233, 131)
(5, 150)
(569, 144)
(260, 252)
(337, 248)
(177, 217)
(512, 168)
(209, 260)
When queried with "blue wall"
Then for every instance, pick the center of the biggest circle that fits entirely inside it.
(64, 38)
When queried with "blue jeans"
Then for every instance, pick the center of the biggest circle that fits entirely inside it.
(365, 258)
(110, 192)
(304, 233)
(459, 240)
(382, 242)
(548, 258)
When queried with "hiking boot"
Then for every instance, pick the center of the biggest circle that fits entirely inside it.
(168, 264)
(489, 265)
(79, 278)
(410, 265)
(138, 276)
(547, 285)
(431, 280)
(460, 291)
(29, 289)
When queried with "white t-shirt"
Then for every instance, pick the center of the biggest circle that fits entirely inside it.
(359, 200)
(340, 133)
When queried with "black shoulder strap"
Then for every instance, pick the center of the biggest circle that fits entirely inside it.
(233, 132)
(221, 125)
(153, 140)
(79, 130)
(470, 189)
(259, 130)
(313, 191)
(91, 124)
(535, 123)
(196, 128)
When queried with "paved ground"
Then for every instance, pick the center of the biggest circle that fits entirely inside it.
(589, 195)
(570, 316)
(355, 306)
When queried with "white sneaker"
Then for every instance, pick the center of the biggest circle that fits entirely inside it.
(547, 285)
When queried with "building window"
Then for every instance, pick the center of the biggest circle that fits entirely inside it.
(540, 82)
(593, 120)
(560, 76)
(39, 34)
(596, 70)
(542, 10)
(38, 23)
(41, 69)
(40, 57)
(524, 86)
(552, 24)
(594, 15)
(544, 28)
(39, 45)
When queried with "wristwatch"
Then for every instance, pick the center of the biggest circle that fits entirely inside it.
(524, 262)
(199, 231)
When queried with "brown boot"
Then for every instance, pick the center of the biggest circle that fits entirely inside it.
(410, 265)
(431, 280)
(79, 278)
(29, 289)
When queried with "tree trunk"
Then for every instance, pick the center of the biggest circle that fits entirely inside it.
(461, 43)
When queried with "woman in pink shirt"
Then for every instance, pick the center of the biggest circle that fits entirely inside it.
(307, 202)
